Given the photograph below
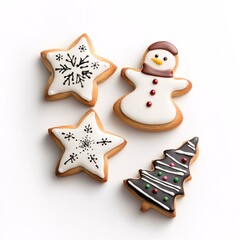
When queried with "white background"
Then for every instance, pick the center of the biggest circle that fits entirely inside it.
(34, 203)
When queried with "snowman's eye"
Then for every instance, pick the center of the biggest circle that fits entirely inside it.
(156, 55)
(165, 58)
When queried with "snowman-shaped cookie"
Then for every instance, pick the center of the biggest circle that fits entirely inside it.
(150, 105)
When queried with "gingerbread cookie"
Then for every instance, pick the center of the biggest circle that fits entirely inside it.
(76, 71)
(160, 187)
(86, 147)
(150, 105)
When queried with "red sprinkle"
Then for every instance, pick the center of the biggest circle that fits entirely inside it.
(155, 81)
(171, 164)
(164, 178)
(184, 160)
(152, 92)
(154, 191)
(149, 104)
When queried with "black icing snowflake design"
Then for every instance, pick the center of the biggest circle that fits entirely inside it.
(88, 129)
(104, 141)
(86, 143)
(72, 158)
(76, 70)
(68, 136)
(95, 65)
(59, 57)
(82, 48)
(93, 158)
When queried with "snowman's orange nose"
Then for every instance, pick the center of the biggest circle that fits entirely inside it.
(157, 61)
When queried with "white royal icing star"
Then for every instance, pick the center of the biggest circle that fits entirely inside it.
(75, 70)
(86, 146)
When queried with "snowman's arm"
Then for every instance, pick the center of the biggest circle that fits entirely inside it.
(131, 76)
(181, 86)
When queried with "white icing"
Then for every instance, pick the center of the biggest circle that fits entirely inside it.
(83, 87)
(166, 184)
(86, 142)
(193, 148)
(185, 153)
(153, 199)
(191, 143)
(175, 160)
(156, 186)
(162, 109)
(172, 172)
(168, 64)
(179, 169)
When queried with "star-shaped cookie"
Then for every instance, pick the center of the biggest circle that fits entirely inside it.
(76, 71)
(86, 147)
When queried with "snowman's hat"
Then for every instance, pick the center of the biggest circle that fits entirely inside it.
(165, 46)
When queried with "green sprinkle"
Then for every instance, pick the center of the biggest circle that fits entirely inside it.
(176, 179)
(159, 173)
(147, 186)
(165, 199)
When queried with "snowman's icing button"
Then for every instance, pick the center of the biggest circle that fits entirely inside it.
(149, 104)
(152, 92)
(155, 81)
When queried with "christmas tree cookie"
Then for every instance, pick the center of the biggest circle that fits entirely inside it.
(150, 105)
(76, 71)
(159, 188)
(86, 147)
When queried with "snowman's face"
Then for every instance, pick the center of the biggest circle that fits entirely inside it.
(160, 59)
